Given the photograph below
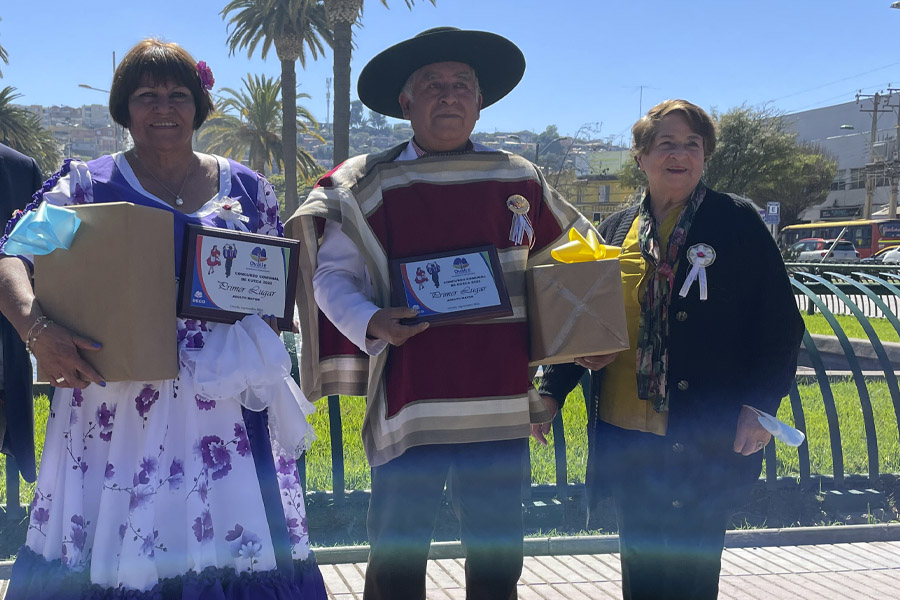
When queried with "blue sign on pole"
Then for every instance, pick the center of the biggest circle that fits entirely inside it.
(773, 213)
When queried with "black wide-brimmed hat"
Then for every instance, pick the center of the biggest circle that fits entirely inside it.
(498, 64)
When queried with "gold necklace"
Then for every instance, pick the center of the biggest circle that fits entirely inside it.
(178, 199)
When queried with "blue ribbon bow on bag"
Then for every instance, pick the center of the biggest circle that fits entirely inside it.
(42, 231)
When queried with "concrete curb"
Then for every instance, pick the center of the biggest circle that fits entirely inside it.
(607, 544)
(834, 357)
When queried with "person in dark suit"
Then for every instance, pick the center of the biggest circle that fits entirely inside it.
(674, 435)
(229, 253)
(19, 178)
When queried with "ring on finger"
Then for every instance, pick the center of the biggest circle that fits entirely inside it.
(759, 445)
(60, 379)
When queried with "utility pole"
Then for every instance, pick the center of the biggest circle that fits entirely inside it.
(894, 164)
(641, 102)
(871, 166)
(327, 100)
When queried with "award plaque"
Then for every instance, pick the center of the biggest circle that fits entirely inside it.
(451, 287)
(227, 275)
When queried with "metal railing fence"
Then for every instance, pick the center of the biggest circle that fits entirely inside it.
(860, 291)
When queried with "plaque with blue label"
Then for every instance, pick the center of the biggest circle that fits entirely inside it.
(227, 275)
(459, 286)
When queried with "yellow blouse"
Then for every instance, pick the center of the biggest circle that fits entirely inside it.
(619, 403)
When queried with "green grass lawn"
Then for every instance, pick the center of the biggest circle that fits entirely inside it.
(356, 469)
(816, 324)
(575, 420)
(853, 435)
(26, 490)
(542, 458)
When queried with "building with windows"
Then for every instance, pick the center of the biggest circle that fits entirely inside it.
(599, 193)
(845, 131)
(84, 132)
(595, 196)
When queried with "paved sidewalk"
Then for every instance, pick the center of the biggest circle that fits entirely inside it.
(815, 563)
(869, 571)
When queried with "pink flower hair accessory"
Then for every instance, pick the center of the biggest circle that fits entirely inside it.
(206, 76)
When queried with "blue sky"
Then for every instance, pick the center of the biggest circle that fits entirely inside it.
(588, 60)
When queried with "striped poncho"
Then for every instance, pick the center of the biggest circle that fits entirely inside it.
(452, 383)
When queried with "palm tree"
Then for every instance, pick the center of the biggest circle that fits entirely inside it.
(295, 27)
(342, 14)
(248, 122)
(21, 130)
(3, 56)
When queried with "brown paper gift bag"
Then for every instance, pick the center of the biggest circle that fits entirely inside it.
(575, 310)
(116, 285)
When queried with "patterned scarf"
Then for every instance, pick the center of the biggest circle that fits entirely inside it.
(653, 339)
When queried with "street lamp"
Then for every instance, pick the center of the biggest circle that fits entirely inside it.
(90, 87)
(116, 125)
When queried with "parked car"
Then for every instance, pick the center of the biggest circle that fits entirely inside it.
(892, 256)
(878, 257)
(815, 249)
(792, 252)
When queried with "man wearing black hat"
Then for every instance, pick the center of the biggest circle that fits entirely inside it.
(451, 404)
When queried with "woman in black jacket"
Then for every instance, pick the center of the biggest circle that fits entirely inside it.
(673, 430)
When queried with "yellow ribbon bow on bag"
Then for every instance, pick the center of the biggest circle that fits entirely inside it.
(581, 249)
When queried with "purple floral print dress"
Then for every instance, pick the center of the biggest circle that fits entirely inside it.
(148, 489)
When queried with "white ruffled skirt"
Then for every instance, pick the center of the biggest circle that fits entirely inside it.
(142, 482)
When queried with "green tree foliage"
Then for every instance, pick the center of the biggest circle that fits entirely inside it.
(248, 124)
(752, 147)
(757, 156)
(562, 153)
(631, 176)
(295, 27)
(342, 15)
(356, 115)
(546, 137)
(4, 56)
(303, 189)
(548, 150)
(804, 180)
(21, 130)
(377, 120)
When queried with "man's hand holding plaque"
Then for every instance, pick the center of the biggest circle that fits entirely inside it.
(387, 325)
(451, 287)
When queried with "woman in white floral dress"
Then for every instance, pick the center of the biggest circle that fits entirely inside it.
(164, 489)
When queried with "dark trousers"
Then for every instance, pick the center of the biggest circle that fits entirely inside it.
(484, 481)
(669, 552)
(673, 502)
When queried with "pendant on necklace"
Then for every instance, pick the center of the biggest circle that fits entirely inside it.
(178, 201)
